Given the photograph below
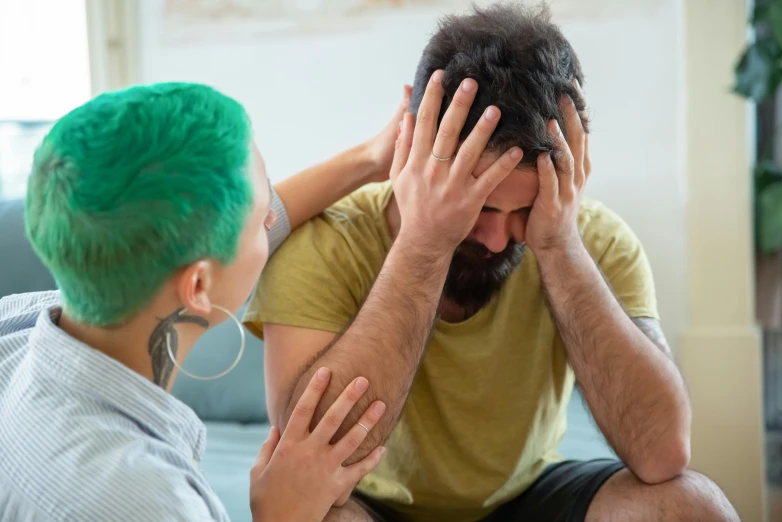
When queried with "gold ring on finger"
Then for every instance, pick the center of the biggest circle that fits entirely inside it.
(441, 159)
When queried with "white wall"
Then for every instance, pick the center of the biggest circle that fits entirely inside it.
(313, 95)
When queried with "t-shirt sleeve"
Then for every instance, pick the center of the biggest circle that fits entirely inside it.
(313, 281)
(623, 261)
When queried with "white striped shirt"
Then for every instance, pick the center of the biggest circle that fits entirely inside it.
(84, 438)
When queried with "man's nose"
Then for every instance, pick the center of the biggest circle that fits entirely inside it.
(491, 230)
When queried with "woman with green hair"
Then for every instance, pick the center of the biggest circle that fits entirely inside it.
(152, 209)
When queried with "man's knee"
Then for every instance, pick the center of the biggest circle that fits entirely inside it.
(699, 498)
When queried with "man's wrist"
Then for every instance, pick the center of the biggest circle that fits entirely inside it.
(566, 251)
(422, 250)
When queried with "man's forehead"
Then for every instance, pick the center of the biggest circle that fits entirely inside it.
(516, 191)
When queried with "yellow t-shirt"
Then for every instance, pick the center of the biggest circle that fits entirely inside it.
(487, 410)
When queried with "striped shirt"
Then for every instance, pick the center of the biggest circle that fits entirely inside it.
(83, 437)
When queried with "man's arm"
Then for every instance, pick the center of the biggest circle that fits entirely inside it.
(385, 342)
(637, 395)
(625, 371)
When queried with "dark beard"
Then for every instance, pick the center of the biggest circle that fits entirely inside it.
(473, 279)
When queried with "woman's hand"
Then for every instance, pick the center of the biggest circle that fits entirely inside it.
(298, 476)
(381, 147)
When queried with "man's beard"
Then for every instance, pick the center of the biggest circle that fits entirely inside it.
(473, 279)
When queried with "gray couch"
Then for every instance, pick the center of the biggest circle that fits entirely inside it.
(234, 407)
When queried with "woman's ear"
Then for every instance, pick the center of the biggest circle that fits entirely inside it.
(193, 288)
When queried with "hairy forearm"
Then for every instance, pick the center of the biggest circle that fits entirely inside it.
(309, 192)
(386, 341)
(633, 388)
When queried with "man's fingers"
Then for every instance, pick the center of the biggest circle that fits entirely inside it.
(574, 130)
(338, 411)
(426, 118)
(267, 450)
(491, 178)
(547, 176)
(348, 444)
(472, 148)
(361, 469)
(299, 423)
(587, 159)
(403, 144)
(564, 165)
(451, 126)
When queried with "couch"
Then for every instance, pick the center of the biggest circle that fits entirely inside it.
(233, 408)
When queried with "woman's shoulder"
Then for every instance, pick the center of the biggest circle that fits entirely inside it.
(19, 306)
(107, 474)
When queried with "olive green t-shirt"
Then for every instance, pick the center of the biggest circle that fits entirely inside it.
(487, 410)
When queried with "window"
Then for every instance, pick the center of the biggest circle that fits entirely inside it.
(44, 66)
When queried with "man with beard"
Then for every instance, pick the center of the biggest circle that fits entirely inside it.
(545, 290)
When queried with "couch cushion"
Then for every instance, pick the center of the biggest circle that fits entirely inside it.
(230, 453)
(22, 271)
(238, 396)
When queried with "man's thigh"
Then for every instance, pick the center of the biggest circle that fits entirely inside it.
(361, 509)
(562, 494)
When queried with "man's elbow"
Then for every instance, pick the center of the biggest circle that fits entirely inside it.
(666, 462)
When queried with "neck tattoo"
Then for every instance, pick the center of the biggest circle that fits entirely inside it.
(164, 335)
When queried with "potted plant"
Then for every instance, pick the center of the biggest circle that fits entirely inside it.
(758, 74)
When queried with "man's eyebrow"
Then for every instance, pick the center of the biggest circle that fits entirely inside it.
(496, 210)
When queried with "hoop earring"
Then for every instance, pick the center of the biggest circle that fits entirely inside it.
(223, 373)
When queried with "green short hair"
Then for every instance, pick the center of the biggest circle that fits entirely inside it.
(132, 186)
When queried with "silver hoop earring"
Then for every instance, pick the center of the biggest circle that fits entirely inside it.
(223, 373)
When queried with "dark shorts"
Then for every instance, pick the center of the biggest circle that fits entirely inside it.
(561, 494)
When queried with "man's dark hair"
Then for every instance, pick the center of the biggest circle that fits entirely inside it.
(522, 63)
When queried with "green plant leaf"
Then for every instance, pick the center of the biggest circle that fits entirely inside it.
(767, 172)
(758, 72)
(775, 20)
(761, 11)
(770, 218)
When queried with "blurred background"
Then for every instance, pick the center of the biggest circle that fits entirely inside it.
(674, 149)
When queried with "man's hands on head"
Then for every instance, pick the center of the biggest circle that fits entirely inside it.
(298, 476)
(553, 221)
(439, 199)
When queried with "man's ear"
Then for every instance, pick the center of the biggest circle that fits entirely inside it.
(193, 287)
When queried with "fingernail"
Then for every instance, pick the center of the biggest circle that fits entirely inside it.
(559, 129)
(323, 374)
(362, 384)
(468, 85)
(515, 154)
(380, 409)
(437, 76)
(381, 450)
(491, 113)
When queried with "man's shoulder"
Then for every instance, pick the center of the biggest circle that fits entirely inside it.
(352, 228)
(601, 227)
